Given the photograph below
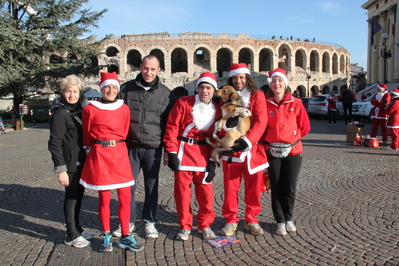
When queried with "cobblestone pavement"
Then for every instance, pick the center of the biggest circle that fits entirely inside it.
(346, 211)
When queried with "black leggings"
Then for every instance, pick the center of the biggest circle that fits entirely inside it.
(72, 204)
(283, 173)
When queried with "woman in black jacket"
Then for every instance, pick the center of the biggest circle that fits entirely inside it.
(68, 155)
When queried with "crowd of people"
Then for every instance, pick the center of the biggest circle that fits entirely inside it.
(103, 145)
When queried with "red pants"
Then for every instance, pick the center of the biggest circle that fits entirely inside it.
(104, 200)
(232, 175)
(205, 197)
(384, 131)
(395, 138)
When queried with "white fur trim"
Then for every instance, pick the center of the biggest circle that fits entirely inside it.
(110, 82)
(284, 77)
(106, 187)
(107, 106)
(239, 71)
(208, 80)
(245, 96)
(203, 113)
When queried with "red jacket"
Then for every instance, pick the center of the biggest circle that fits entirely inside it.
(332, 102)
(378, 111)
(287, 122)
(257, 160)
(192, 157)
(393, 114)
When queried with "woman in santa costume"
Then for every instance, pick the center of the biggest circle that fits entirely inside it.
(248, 160)
(288, 122)
(380, 100)
(190, 122)
(393, 120)
(105, 127)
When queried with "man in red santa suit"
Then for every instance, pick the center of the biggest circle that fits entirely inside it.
(249, 158)
(190, 122)
(380, 101)
(393, 120)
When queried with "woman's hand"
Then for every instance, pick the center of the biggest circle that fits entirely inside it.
(63, 178)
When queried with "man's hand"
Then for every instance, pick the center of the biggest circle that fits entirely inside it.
(210, 169)
(173, 162)
(239, 145)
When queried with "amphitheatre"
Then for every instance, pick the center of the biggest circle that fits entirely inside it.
(312, 66)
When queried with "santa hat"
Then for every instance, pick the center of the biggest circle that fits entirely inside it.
(240, 68)
(208, 77)
(280, 73)
(382, 86)
(395, 91)
(109, 79)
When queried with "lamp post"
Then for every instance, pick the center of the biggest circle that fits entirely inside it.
(308, 77)
(386, 54)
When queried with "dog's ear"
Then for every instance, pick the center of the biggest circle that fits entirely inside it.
(233, 95)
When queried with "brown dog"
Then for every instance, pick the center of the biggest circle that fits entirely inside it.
(232, 107)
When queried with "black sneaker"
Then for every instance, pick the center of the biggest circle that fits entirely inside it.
(130, 243)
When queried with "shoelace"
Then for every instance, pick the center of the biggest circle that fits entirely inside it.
(107, 239)
(132, 239)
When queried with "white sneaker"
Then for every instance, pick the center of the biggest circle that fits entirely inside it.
(79, 242)
(281, 229)
(118, 232)
(150, 230)
(290, 226)
(183, 234)
(390, 149)
(86, 235)
(207, 233)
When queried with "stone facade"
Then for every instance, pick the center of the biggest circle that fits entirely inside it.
(312, 67)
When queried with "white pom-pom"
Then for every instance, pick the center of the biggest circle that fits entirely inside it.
(269, 80)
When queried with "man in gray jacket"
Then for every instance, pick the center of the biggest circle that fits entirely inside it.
(150, 103)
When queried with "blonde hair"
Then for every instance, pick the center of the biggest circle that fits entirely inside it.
(71, 80)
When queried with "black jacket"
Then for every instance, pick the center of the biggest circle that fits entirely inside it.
(149, 112)
(66, 138)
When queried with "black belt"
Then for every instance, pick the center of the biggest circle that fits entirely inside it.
(107, 143)
(192, 141)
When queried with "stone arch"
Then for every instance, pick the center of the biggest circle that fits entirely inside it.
(265, 60)
(112, 51)
(326, 89)
(179, 60)
(314, 61)
(133, 59)
(224, 59)
(265, 88)
(245, 55)
(301, 90)
(342, 63)
(325, 62)
(300, 58)
(335, 63)
(284, 57)
(160, 55)
(113, 68)
(315, 91)
(202, 59)
(335, 89)
(179, 92)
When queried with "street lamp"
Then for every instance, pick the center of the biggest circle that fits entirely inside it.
(386, 54)
(308, 77)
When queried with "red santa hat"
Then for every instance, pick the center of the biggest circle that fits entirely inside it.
(109, 79)
(240, 68)
(382, 86)
(280, 73)
(208, 77)
(395, 91)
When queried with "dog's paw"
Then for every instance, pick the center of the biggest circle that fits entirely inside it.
(243, 112)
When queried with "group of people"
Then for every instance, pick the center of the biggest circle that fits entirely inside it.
(103, 145)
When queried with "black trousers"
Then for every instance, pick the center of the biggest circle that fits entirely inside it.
(347, 112)
(150, 161)
(332, 115)
(283, 173)
(72, 205)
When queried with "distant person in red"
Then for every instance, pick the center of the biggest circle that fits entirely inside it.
(380, 101)
(347, 97)
(332, 108)
(393, 119)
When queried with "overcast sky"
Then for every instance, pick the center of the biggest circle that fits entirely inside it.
(342, 22)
